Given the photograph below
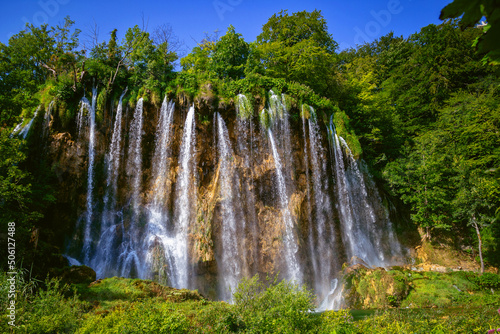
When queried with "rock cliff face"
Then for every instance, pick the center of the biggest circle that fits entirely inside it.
(222, 191)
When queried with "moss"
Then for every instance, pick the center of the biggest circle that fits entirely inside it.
(405, 288)
(265, 119)
(341, 121)
(289, 101)
(66, 114)
(243, 107)
(102, 98)
(305, 111)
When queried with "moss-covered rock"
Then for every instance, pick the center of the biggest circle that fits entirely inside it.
(75, 274)
(399, 287)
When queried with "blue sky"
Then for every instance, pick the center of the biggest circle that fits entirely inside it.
(350, 22)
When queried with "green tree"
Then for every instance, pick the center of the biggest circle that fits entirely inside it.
(15, 189)
(471, 12)
(475, 144)
(422, 180)
(22, 71)
(295, 28)
(439, 62)
(299, 48)
(199, 60)
(230, 55)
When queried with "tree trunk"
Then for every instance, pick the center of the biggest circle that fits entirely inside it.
(474, 223)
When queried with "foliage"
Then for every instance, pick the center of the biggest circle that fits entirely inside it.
(139, 317)
(474, 320)
(230, 55)
(299, 48)
(15, 189)
(51, 309)
(339, 322)
(377, 288)
(274, 307)
(473, 11)
(295, 28)
(449, 175)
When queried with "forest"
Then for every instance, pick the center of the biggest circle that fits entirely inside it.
(422, 112)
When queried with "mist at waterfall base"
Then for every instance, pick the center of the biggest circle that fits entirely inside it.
(147, 227)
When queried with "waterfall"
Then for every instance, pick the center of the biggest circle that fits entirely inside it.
(134, 163)
(129, 259)
(289, 239)
(85, 105)
(233, 221)
(26, 129)
(113, 162)
(161, 164)
(158, 244)
(323, 257)
(275, 119)
(312, 252)
(185, 201)
(16, 128)
(244, 148)
(281, 127)
(362, 229)
(334, 299)
(266, 210)
(105, 251)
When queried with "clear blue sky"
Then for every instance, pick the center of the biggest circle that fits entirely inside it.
(350, 22)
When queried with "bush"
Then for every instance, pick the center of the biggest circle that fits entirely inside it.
(151, 316)
(339, 322)
(50, 311)
(488, 281)
(274, 307)
(220, 317)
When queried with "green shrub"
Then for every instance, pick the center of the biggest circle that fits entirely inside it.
(220, 317)
(51, 312)
(150, 316)
(274, 307)
(488, 281)
(338, 322)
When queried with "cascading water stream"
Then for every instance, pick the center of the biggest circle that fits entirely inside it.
(129, 259)
(134, 163)
(26, 129)
(103, 259)
(312, 252)
(361, 228)
(289, 238)
(376, 234)
(185, 202)
(90, 174)
(158, 244)
(161, 158)
(244, 148)
(277, 119)
(113, 164)
(233, 221)
(17, 128)
(325, 244)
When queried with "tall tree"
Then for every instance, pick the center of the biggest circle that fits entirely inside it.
(230, 55)
(299, 48)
